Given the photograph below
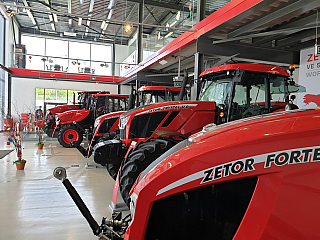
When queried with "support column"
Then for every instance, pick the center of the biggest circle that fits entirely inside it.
(198, 69)
(198, 57)
(9, 94)
(139, 41)
(201, 10)
(113, 60)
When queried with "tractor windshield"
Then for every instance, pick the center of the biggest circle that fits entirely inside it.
(260, 93)
(115, 104)
(216, 90)
(154, 96)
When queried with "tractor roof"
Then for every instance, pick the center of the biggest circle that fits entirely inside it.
(158, 88)
(111, 95)
(248, 67)
(93, 92)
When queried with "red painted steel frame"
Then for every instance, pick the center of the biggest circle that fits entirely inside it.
(284, 204)
(65, 76)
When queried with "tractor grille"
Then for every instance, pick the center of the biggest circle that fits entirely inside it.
(143, 125)
(123, 133)
(212, 212)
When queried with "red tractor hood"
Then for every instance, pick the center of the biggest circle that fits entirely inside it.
(63, 108)
(279, 149)
(72, 116)
(174, 105)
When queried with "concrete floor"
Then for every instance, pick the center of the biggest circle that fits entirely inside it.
(35, 205)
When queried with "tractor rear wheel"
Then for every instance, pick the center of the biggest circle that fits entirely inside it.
(137, 161)
(113, 169)
(68, 134)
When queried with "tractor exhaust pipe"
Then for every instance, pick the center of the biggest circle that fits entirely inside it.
(131, 99)
(183, 85)
(61, 174)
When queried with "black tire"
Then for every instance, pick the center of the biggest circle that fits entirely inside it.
(68, 134)
(137, 161)
(48, 126)
(113, 170)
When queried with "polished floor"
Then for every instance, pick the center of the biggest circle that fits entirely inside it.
(35, 205)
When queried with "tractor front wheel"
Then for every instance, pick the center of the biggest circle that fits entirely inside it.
(137, 161)
(68, 134)
(113, 169)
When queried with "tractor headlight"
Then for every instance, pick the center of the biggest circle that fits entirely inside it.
(48, 112)
(123, 122)
(133, 200)
(57, 119)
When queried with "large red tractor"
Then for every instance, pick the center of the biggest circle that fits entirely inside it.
(72, 125)
(229, 92)
(50, 120)
(106, 126)
(255, 178)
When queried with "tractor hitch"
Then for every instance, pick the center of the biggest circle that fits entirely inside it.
(110, 228)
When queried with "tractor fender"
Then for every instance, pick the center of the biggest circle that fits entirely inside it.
(72, 116)
(110, 151)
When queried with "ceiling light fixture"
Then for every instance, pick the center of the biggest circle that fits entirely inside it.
(168, 35)
(53, 27)
(173, 23)
(103, 24)
(55, 17)
(70, 21)
(51, 18)
(80, 21)
(127, 28)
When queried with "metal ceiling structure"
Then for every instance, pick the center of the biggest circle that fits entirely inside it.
(272, 32)
(89, 19)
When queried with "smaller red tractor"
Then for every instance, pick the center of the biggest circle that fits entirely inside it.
(72, 125)
(255, 178)
(106, 126)
(50, 121)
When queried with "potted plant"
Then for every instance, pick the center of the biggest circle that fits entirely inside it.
(40, 143)
(16, 140)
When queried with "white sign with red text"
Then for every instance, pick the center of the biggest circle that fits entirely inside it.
(309, 77)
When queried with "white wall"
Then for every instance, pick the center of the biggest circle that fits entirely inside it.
(125, 89)
(23, 91)
(122, 52)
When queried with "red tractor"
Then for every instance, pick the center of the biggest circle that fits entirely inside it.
(106, 126)
(229, 92)
(255, 178)
(50, 120)
(72, 125)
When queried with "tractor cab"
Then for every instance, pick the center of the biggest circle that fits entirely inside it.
(155, 94)
(245, 90)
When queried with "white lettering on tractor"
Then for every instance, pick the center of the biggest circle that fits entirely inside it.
(277, 159)
(274, 159)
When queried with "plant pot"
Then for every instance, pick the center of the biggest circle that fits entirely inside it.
(20, 164)
(40, 146)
